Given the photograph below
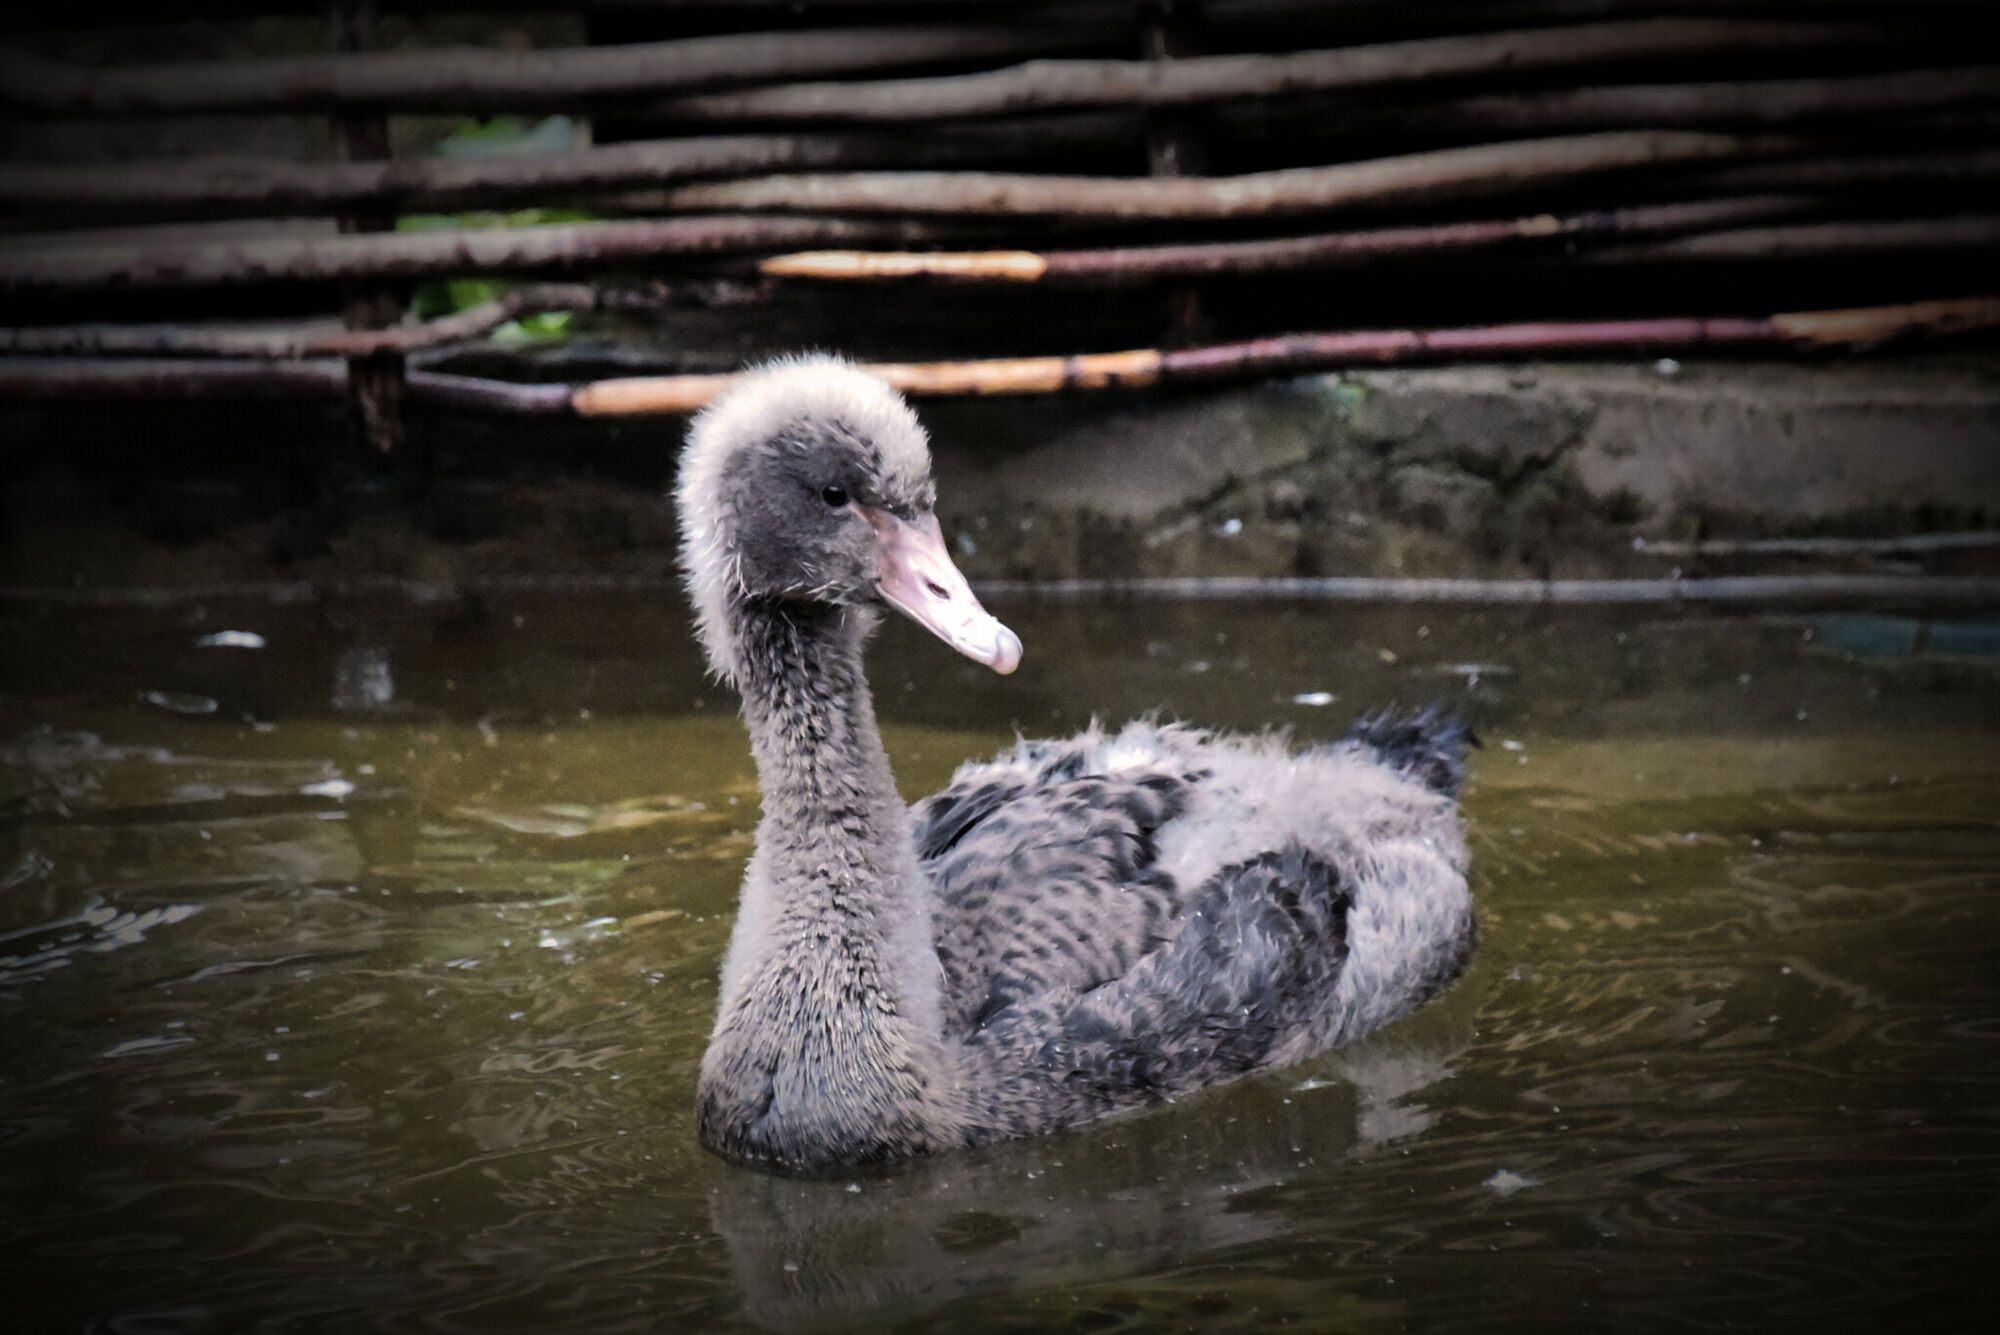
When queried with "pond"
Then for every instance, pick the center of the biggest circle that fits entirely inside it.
(355, 969)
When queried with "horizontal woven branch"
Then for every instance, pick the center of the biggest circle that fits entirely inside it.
(1291, 353)
(72, 379)
(1052, 84)
(56, 263)
(483, 78)
(1484, 171)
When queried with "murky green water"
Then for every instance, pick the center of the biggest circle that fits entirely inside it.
(358, 982)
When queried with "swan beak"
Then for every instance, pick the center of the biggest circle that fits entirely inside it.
(919, 580)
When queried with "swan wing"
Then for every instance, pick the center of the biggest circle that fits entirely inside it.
(1044, 875)
(1255, 962)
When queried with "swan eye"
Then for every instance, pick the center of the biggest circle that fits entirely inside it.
(835, 496)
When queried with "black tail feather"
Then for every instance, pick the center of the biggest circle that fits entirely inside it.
(1430, 744)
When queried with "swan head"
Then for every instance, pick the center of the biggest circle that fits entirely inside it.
(808, 481)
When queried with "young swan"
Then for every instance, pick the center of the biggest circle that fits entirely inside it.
(1070, 930)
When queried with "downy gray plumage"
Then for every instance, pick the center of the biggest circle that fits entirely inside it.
(1073, 929)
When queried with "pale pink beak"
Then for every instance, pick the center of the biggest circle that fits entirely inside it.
(919, 580)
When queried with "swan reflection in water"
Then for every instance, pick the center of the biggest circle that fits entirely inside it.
(1131, 1195)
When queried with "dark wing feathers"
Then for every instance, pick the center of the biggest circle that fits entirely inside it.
(943, 820)
(1257, 955)
(1044, 883)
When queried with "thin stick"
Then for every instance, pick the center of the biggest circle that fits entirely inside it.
(1850, 173)
(38, 379)
(1049, 84)
(59, 262)
(51, 262)
(1301, 352)
(481, 394)
(1872, 326)
(1770, 103)
(1799, 240)
(480, 78)
(62, 380)
(68, 380)
(1139, 264)
(263, 186)
(291, 344)
(1485, 170)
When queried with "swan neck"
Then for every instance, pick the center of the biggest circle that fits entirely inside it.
(832, 981)
(806, 702)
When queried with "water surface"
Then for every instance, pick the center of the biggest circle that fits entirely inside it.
(358, 981)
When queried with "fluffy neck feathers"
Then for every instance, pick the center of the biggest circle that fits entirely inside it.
(811, 718)
(827, 1041)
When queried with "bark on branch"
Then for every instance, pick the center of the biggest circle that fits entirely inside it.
(1292, 353)
(1969, 232)
(1049, 84)
(479, 78)
(180, 340)
(1771, 103)
(1483, 171)
(263, 187)
(50, 264)
(1084, 268)
(1124, 265)
(1854, 173)
(56, 380)
(72, 380)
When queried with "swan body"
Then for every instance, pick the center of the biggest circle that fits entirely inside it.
(1069, 930)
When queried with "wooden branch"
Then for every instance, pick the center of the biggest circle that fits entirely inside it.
(65, 379)
(257, 186)
(179, 340)
(1819, 239)
(480, 78)
(1872, 326)
(72, 380)
(1772, 103)
(1048, 84)
(58, 262)
(1854, 173)
(1482, 171)
(58, 380)
(300, 342)
(471, 393)
(1088, 268)
(48, 263)
(968, 266)
(1141, 264)
(262, 187)
(1292, 353)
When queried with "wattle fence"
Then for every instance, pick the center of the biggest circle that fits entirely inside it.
(1001, 198)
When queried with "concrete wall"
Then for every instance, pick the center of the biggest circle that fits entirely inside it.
(1460, 471)
(1470, 470)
